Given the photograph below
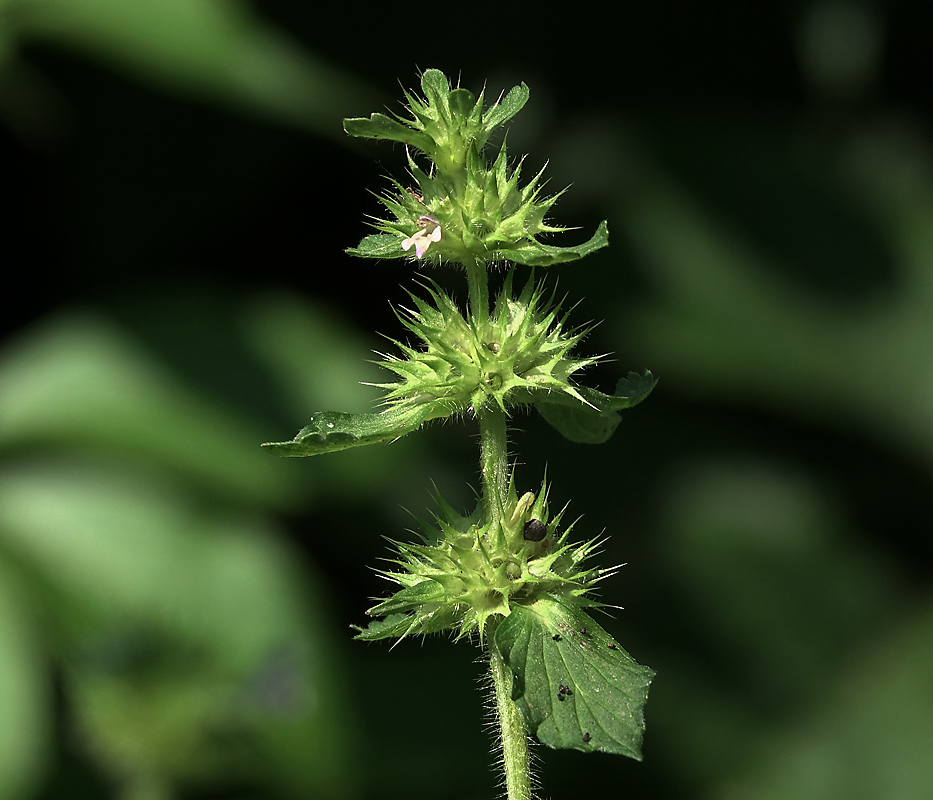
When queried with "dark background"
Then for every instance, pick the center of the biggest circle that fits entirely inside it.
(179, 193)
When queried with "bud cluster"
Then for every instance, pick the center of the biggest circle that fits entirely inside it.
(463, 210)
(521, 349)
(467, 570)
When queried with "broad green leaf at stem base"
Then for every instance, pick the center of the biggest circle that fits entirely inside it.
(576, 687)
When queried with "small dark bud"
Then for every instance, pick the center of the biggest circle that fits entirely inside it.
(535, 530)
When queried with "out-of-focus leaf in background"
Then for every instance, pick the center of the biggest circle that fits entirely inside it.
(849, 743)
(25, 695)
(736, 324)
(774, 586)
(218, 50)
(80, 383)
(148, 588)
(191, 647)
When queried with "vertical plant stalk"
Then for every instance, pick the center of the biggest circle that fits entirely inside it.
(494, 461)
(493, 434)
(494, 464)
(479, 290)
(516, 761)
(466, 211)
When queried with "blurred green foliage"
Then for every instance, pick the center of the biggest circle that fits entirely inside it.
(173, 600)
(220, 51)
(147, 575)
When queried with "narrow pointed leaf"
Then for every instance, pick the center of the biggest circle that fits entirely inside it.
(410, 598)
(502, 112)
(379, 245)
(575, 690)
(330, 431)
(536, 254)
(379, 126)
(596, 422)
(420, 622)
(393, 627)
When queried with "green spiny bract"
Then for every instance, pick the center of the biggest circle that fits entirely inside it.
(521, 350)
(454, 122)
(476, 212)
(468, 571)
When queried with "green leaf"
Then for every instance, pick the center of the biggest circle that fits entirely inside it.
(392, 627)
(603, 689)
(379, 245)
(535, 254)
(436, 89)
(411, 598)
(419, 609)
(580, 424)
(502, 112)
(596, 422)
(330, 431)
(379, 126)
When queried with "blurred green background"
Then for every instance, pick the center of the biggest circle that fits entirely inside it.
(175, 603)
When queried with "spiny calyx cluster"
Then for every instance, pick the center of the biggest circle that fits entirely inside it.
(518, 354)
(463, 209)
(468, 570)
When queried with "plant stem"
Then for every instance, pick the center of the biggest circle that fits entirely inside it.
(494, 463)
(494, 460)
(492, 421)
(479, 290)
(515, 756)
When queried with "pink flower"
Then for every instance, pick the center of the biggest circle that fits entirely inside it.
(430, 232)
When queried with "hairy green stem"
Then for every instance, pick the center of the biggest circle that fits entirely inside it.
(479, 290)
(492, 421)
(494, 463)
(515, 755)
(494, 460)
